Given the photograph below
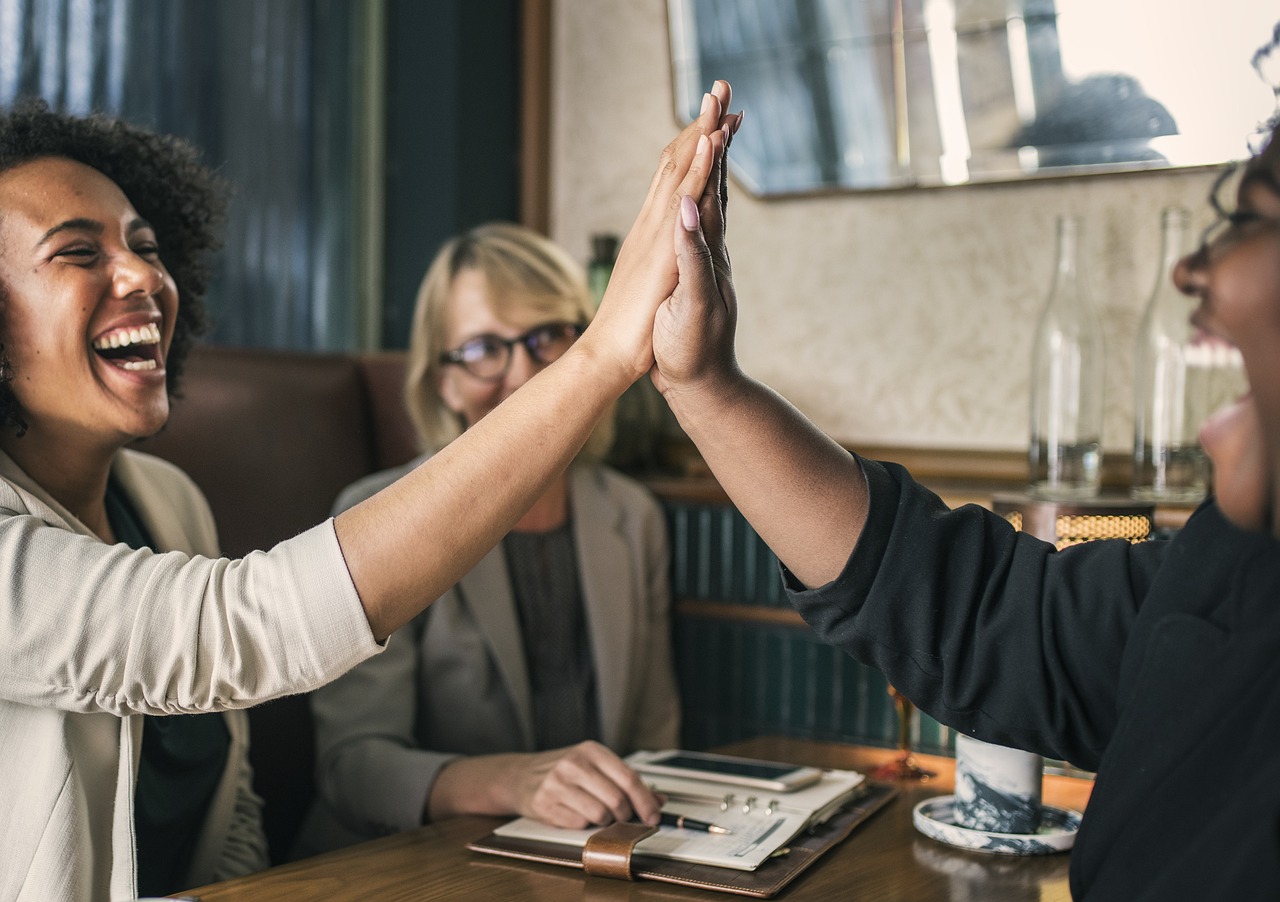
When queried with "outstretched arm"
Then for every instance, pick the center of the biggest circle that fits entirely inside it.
(803, 493)
(413, 540)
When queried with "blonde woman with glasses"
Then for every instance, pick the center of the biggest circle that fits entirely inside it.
(515, 692)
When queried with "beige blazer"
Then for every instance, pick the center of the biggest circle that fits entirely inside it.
(455, 682)
(94, 634)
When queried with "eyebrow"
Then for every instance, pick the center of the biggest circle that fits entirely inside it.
(89, 225)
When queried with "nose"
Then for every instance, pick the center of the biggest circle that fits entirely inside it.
(1189, 272)
(523, 367)
(134, 274)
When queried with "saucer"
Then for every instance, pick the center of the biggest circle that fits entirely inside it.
(935, 818)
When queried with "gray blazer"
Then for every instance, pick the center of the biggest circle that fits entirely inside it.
(454, 680)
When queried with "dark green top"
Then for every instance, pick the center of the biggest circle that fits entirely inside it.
(557, 647)
(183, 757)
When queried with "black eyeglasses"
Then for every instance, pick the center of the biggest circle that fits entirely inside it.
(1228, 218)
(489, 356)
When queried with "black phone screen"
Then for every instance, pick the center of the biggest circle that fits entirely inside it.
(757, 769)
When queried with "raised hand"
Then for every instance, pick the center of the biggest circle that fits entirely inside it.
(645, 273)
(802, 492)
(693, 330)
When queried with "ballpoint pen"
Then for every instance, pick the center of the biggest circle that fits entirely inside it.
(689, 823)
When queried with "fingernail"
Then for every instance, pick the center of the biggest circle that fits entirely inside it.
(738, 124)
(706, 104)
(688, 213)
(702, 145)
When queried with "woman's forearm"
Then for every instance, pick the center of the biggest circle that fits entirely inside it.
(415, 539)
(804, 494)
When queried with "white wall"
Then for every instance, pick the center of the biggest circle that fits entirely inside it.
(898, 318)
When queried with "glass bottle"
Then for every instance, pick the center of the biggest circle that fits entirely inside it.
(1179, 380)
(1067, 377)
(1171, 384)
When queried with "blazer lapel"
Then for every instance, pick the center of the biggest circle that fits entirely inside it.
(605, 567)
(486, 592)
(158, 513)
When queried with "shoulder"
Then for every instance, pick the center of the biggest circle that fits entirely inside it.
(368, 486)
(608, 484)
(170, 501)
(151, 480)
(139, 466)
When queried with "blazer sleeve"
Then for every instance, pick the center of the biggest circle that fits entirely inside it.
(91, 627)
(369, 769)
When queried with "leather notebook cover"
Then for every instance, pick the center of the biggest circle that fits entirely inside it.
(764, 882)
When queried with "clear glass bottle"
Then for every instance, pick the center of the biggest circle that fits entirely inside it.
(1171, 385)
(1067, 377)
(1180, 379)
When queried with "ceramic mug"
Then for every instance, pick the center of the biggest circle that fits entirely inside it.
(997, 788)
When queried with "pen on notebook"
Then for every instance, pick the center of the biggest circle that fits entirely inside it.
(689, 823)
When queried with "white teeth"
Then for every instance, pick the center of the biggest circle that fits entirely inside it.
(138, 364)
(122, 338)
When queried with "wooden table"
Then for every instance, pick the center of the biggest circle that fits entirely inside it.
(884, 859)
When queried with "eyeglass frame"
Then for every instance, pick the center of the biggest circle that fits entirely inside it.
(1225, 218)
(454, 356)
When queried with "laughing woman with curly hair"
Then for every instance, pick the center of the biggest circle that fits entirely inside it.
(119, 611)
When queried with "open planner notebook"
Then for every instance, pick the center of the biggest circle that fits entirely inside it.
(774, 835)
(760, 821)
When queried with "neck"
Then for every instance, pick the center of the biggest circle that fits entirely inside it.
(549, 512)
(75, 476)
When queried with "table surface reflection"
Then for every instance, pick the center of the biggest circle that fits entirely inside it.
(885, 858)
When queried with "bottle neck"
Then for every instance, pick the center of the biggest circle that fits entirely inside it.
(1173, 235)
(1067, 273)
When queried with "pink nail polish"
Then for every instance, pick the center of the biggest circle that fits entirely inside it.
(706, 104)
(688, 213)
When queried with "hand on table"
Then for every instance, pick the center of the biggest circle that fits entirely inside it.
(581, 786)
(575, 787)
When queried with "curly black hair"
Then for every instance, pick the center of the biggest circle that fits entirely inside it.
(165, 180)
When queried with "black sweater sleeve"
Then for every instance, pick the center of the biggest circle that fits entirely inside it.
(989, 630)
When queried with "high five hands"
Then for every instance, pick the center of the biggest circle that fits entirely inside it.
(645, 273)
(694, 327)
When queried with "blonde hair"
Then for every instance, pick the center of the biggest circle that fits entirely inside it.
(524, 269)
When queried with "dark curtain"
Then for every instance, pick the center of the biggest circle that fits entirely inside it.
(266, 90)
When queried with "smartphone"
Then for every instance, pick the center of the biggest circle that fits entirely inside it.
(774, 775)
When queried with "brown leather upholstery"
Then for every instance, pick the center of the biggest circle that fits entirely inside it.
(271, 437)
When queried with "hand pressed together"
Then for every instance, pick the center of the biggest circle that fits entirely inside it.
(693, 330)
(645, 273)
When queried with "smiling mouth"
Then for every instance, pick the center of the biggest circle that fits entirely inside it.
(133, 349)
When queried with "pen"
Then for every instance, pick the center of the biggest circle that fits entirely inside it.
(689, 823)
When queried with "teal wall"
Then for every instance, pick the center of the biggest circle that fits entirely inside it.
(739, 679)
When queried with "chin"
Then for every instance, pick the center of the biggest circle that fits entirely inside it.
(1244, 501)
(153, 423)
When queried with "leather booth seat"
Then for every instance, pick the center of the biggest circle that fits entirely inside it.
(271, 437)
